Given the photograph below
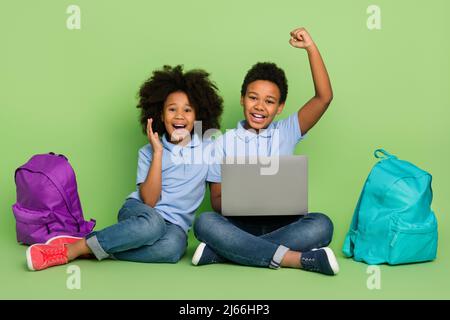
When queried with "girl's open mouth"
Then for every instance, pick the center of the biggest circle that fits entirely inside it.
(179, 126)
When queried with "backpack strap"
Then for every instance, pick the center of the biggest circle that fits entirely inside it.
(84, 227)
(349, 242)
(58, 155)
(66, 199)
(383, 154)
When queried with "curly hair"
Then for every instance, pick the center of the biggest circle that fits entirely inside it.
(267, 71)
(200, 90)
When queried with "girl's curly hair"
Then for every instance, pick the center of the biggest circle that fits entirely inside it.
(200, 90)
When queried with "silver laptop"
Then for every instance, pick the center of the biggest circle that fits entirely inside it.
(265, 186)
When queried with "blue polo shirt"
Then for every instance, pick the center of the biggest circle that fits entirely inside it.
(184, 176)
(279, 139)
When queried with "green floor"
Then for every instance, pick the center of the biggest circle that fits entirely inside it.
(125, 280)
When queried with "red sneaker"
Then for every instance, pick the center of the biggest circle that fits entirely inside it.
(42, 256)
(55, 241)
(58, 240)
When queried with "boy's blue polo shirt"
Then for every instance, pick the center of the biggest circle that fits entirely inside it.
(183, 180)
(280, 138)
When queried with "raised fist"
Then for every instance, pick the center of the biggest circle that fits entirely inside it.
(300, 38)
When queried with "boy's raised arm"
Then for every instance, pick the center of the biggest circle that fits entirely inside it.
(310, 113)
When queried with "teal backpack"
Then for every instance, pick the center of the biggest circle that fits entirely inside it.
(393, 222)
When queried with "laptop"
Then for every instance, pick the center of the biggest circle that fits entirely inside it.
(265, 186)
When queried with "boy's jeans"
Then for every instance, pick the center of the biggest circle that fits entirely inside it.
(141, 235)
(262, 241)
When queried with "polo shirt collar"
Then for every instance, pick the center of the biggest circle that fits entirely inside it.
(195, 142)
(243, 133)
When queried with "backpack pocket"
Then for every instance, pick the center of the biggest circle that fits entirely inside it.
(32, 226)
(410, 243)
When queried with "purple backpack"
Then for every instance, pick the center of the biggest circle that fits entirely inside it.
(47, 200)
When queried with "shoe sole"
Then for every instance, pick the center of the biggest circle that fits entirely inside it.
(29, 262)
(332, 260)
(198, 253)
(59, 237)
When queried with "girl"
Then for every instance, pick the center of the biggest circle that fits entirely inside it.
(269, 241)
(154, 220)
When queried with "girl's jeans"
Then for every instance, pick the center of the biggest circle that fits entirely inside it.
(140, 235)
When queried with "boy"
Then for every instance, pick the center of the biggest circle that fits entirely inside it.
(269, 241)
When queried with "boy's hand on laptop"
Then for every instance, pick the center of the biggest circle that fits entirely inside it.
(153, 137)
(300, 38)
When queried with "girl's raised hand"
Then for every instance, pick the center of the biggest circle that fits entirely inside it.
(153, 137)
(300, 38)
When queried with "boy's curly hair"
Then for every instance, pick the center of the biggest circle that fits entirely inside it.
(267, 71)
(201, 91)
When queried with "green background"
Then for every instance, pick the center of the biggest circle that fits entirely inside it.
(74, 92)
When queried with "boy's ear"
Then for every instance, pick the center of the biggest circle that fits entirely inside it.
(242, 101)
(280, 108)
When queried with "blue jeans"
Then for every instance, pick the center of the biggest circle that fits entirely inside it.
(262, 241)
(141, 235)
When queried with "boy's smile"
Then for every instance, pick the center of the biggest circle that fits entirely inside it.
(261, 104)
(178, 116)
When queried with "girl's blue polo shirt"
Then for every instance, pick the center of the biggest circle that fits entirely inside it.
(279, 139)
(184, 177)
